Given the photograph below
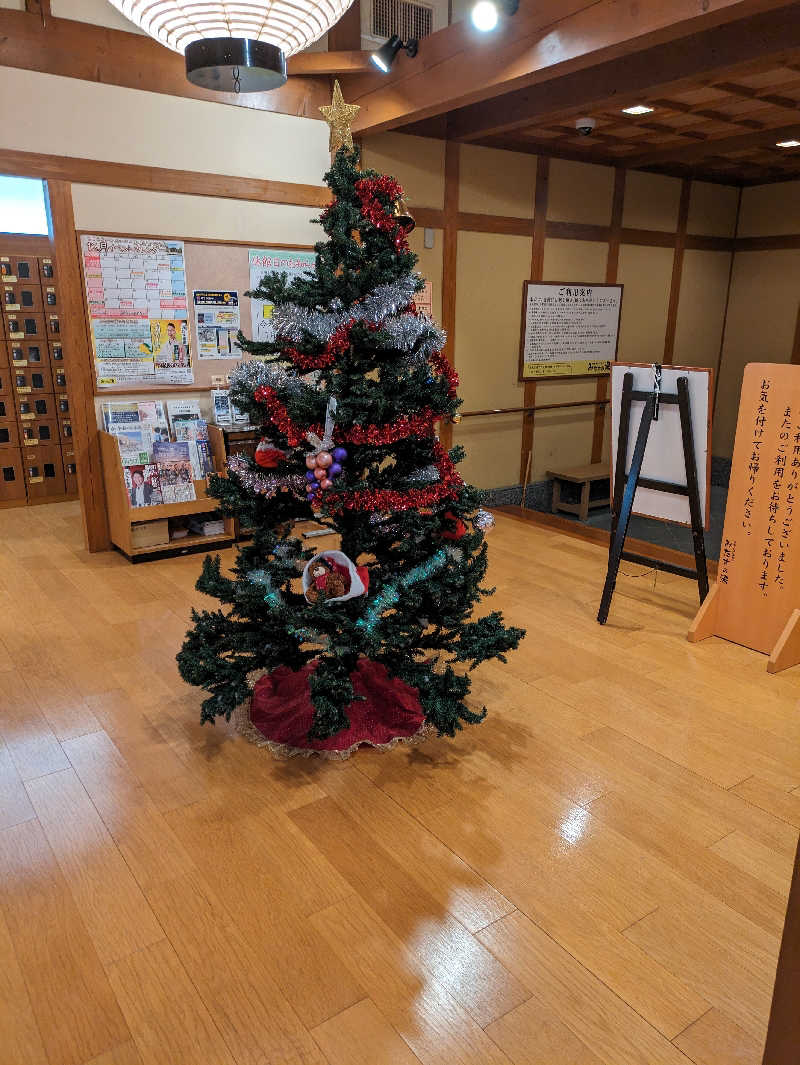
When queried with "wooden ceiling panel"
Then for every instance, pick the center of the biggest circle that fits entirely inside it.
(721, 95)
(773, 78)
(723, 128)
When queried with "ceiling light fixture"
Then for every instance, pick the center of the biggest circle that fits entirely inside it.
(787, 144)
(637, 109)
(486, 13)
(235, 45)
(386, 54)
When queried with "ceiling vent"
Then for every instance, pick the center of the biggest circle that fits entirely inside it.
(403, 18)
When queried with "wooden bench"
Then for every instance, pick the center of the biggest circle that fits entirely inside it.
(585, 476)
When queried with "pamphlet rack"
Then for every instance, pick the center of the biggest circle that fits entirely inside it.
(121, 515)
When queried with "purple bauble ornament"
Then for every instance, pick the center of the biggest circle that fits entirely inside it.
(339, 454)
(310, 476)
(334, 469)
(310, 497)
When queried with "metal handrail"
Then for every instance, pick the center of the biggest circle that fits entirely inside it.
(535, 407)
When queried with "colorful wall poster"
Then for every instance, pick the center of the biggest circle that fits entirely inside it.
(136, 295)
(568, 329)
(424, 299)
(217, 323)
(273, 260)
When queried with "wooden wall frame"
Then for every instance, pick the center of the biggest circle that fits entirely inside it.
(80, 388)
(61, 171)
(160, 179)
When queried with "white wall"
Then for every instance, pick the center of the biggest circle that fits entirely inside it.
(65, 116)
(166, 214)
(98, 12)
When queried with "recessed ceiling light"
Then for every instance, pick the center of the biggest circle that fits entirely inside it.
(787, 144)
(637, 109)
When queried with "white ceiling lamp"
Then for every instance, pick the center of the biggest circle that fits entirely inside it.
(486, 14)
(235, 45)
(638, 109)
(787, 144)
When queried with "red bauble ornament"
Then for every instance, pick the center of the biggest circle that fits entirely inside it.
(267, 455)
(458, 531)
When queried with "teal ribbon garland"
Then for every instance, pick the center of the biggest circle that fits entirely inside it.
(390, 593)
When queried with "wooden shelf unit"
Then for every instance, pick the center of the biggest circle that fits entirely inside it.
(230, 440)
(121, 515)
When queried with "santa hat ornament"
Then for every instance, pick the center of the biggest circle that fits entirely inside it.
(267, 455)
(356, 578)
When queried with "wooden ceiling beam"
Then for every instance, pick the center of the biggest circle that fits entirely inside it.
(767, 97)
(346, 33)
(334, 62)
(73, 49)
(458, 66)
(700, 150)
(622, 81)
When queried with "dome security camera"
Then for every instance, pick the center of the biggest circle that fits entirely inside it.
(584, 126)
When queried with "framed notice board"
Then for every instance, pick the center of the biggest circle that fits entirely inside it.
(568, 329)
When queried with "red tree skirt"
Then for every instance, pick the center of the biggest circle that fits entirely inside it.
(281, 711)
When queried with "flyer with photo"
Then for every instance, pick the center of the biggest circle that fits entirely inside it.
(274, 260)
(217, 323)
(170, 345)
(174, 471)
(142, 484)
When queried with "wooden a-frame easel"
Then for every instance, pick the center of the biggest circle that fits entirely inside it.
(625, 485)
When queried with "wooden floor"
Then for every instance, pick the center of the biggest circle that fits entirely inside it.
(595, 876)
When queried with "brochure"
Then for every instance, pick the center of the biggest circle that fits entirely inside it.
(142, 485)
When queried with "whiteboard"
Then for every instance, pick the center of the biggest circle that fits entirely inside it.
(663, 457)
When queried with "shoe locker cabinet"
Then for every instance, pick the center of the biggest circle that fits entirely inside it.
(37, 458)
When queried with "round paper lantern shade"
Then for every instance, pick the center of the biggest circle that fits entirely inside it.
(235, 45)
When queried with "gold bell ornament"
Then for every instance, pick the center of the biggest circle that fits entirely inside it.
(403, 216)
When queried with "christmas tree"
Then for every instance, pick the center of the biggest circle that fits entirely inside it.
(348, 393)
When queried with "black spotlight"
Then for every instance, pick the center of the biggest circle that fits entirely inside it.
(233, 64)
(384, 57)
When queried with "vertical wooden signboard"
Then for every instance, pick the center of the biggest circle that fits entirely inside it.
(757, 591)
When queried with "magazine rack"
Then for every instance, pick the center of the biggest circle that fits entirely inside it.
(121, 515)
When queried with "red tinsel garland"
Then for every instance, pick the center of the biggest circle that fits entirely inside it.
(338, 343)
(441, 365)
(368, 190)
(391, 499)
(420, 424)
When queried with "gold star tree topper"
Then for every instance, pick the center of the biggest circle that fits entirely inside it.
(340, 117)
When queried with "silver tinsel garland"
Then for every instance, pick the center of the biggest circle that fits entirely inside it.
(266, 484)
(250, 375)
(291, 321)
(424, 475)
